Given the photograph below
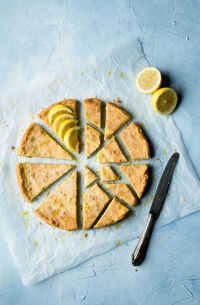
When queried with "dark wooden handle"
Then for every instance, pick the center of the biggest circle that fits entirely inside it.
(139, 254)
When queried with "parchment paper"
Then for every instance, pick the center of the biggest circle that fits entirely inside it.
(39, 250)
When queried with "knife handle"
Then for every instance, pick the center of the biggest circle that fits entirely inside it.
(140, 251)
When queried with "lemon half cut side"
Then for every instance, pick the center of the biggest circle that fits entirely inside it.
(164, 101)
(148, 80)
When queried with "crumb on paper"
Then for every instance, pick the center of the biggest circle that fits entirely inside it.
(183, 199)
(33, 116)
(142, 125)
(6, 125)
(12, 147)
(157, 159)
(26, 226)
(175, 150)
(117, 225)
(25, 213)
(36, 243)
(62, 82)
(119, 101)
(136, 270)
(119, 243)
(85, 235)
(27, 218)
(55, 239)
(109, 73)
(158, 162)
(84, 72)
(132, 214)
(122, 74)
(164, 152)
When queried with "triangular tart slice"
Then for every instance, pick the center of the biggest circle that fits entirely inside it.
(89, 177)
(135, 142)
(43, 115)
(137, 175)
(36, 142)
(94, 201)
(34, 178)
(115, 118)
(92, 140)
(60, 208)
(111, 153)
(108, 174)
(92, 108)
(115, 212)
(122, 191)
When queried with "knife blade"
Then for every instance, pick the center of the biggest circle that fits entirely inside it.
(139, 253)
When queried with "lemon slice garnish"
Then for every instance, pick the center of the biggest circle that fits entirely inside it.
(71, 138)
(56, 110)
(148, 80)
(64, 126)
(59, 119)
(164, 101)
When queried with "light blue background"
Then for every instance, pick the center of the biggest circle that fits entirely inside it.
(170, 35)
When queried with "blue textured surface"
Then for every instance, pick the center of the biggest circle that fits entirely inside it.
(170, 34)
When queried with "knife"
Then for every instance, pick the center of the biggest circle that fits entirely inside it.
(139, 254)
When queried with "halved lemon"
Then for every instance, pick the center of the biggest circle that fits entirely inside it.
(57, 110)
(59, 119)
(164, 100)
(71, 138)
(64, 126)
(148, 80)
